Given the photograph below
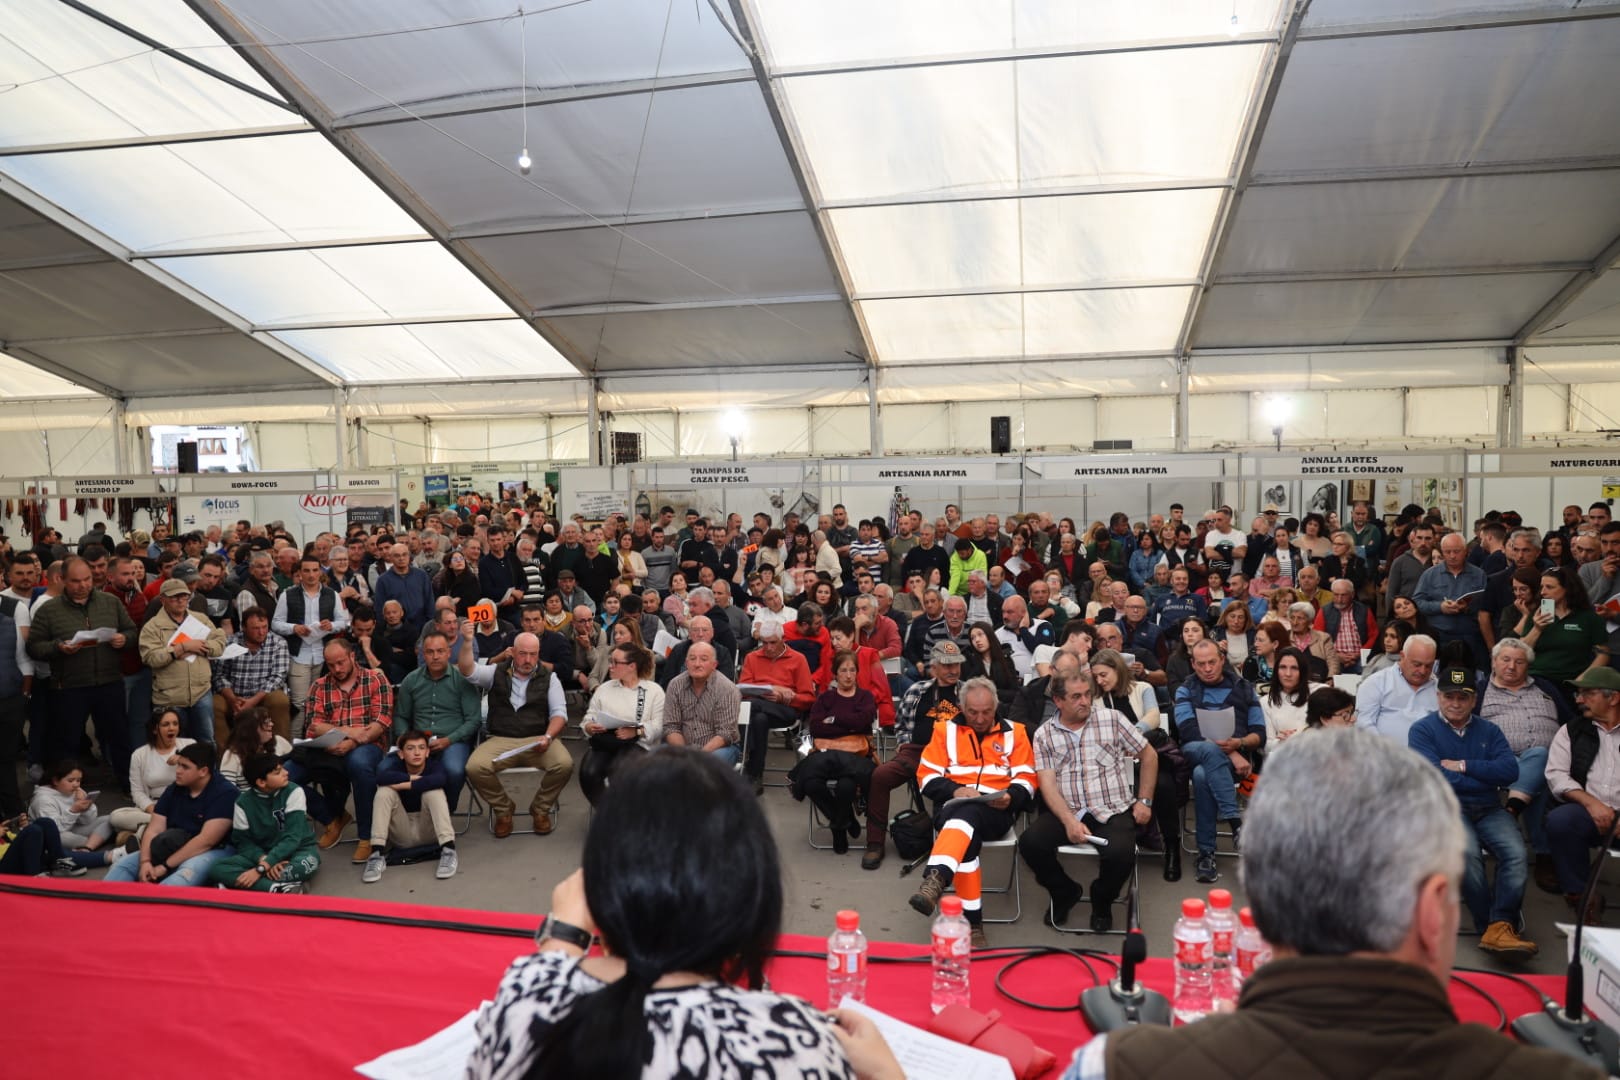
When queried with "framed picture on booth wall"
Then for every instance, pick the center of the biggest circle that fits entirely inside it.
(1358, 491)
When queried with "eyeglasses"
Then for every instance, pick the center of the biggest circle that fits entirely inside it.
(1342, 714)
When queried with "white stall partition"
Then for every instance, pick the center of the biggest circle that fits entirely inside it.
(1330, 482)
(1540, 483)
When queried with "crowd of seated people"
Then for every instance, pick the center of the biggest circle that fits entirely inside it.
(234, 677)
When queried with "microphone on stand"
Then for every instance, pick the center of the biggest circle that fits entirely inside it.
(1567, 1030)
(1124, 1002)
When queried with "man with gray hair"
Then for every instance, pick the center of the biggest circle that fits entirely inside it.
(1529, 710)
(1583, 774)
(1391, 700)
(1083, 770)
(1362, 923)
(700, 601)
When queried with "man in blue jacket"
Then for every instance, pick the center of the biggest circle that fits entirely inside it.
(1217, 765)
(1474, 757)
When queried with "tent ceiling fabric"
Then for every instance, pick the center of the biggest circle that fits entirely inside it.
(327, 194)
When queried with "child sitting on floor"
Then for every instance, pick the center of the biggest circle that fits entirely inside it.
(275, 847)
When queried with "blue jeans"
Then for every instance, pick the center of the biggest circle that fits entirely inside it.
(1572, 835)
(454, 757)
(314, 799)
(1214, 790)
(194, 871)
(731, 753)
(1532, 781)
(138, 702)
(197, 721)
(361, 766)
(1498, 832)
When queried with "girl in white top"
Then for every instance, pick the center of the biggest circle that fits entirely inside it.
(1117, 690)
(1284, 703)
(62, 798)
(151, 767)
(254, 733)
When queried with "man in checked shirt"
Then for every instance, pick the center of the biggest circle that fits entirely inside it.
(359, 702)
(1084, 760)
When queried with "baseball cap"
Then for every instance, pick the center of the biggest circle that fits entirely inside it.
(174, 587)
(184, 571)
(1456, 678)
(946, 652)
(1603, 678)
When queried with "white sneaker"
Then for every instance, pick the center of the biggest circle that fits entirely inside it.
(375, 866)
(289, 886)
(447, 863)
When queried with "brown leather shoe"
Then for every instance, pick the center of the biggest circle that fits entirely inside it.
(1546, 874)
(1594, 907)
(362, 852)
(874, 855)
(503, 826)
(1501, 940)
(334, 831)
(542, 822)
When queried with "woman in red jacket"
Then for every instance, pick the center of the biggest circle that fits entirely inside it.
(871, 675)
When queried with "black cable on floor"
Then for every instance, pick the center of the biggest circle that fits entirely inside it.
(1511, 977)
(1501, 1013)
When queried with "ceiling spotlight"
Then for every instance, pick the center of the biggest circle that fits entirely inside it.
(525, 163)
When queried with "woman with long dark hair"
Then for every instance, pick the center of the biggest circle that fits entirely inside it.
(459, 581)
(630, 701)
(986, 658)
(682, 882)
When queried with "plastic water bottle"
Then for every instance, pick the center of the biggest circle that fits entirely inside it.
(846, 960)
(1192, 1001)
(1223, 928)
(952, 949)
(1252, 952)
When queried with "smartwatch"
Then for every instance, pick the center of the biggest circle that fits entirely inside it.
(553, 929)
(1146, 802)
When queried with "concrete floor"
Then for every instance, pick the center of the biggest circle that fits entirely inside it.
(518, 874)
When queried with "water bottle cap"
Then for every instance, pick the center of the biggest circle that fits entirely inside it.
(849, 920)
(950, 905)
(1220, 898)
(1246, 917)
(1192, 908)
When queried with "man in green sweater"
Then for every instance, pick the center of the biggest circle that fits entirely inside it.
(438, 699)
(275, 847)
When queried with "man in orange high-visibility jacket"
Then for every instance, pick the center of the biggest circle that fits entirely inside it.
(970, 757)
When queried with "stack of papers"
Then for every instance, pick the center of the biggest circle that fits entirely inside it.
(100, 636)
(321, 742)
(443, 1053)
(190, 630)
(925, 1056)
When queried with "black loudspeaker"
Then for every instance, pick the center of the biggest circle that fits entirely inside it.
(1001, 434)
(185, 456)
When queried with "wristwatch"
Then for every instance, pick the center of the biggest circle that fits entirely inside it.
(1146, 802)
(552, 928)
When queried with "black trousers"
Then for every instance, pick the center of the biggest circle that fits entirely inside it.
(763, 718)
(1038, 845)
(832, 779)
(12, 715)
(104, 705)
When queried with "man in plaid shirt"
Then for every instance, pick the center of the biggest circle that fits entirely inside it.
(359, 703)
(256, 678)
(1083, 766)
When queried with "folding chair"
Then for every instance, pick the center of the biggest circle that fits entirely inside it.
(1009, 842)
(1130, 898)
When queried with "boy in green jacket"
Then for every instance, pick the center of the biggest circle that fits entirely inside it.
(275, 847)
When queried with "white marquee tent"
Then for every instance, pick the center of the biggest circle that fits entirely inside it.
(873, 224)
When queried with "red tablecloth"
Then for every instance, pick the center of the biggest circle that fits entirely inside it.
(141, 989)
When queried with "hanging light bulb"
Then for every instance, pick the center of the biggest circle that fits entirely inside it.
(1232, 26)
(525, 163)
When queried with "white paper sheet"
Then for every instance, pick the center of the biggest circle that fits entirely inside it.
(321, 742)
(1216, 724)
(926, 1056)
(233, 650)
(663, 642)
(516, 750)
(444, 1053)
(191, 630)
(98, 635)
